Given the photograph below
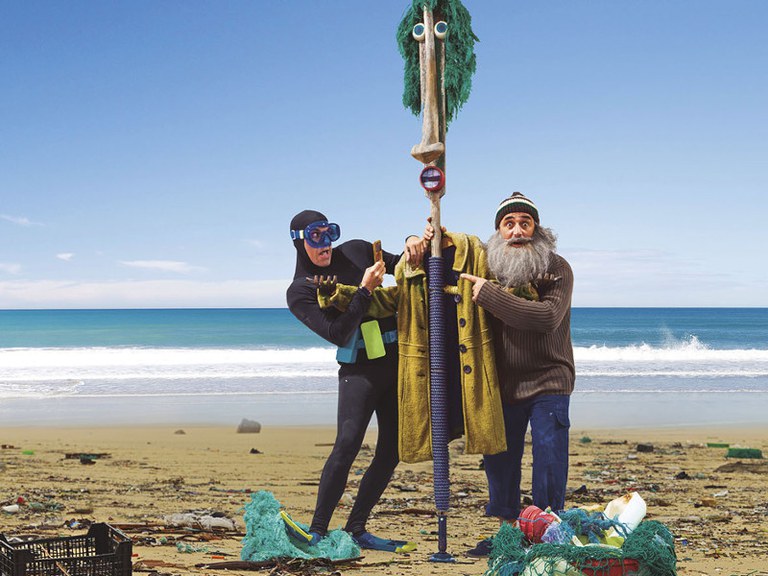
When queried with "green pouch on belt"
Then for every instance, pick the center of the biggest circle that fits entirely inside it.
(374, 344)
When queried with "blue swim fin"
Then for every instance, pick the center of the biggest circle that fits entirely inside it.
(368, 541)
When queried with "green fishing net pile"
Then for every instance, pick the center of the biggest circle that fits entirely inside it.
(650, 544)
(266, 538)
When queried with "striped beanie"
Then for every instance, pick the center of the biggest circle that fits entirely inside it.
(516, 203)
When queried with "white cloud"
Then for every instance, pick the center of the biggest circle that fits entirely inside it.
(20, 220)
(164, 265)
(654, 278)
(10, 268)
(66, 256)
(144, 294)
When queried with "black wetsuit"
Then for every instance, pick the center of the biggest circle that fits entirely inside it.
(365, 387)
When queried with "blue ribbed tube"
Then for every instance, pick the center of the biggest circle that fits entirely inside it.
(438, 377)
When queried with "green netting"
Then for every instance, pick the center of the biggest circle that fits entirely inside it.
(460, 61)
(266, 538)
(653, 546)
(648, 551)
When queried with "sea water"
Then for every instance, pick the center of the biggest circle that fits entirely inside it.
(635, 367)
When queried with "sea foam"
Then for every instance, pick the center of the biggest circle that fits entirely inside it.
(47, 372)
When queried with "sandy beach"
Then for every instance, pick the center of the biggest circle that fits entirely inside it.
(715, 506)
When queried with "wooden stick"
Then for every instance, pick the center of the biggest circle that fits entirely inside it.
(47, 555)
(430, 148)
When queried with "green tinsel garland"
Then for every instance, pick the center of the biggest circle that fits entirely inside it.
(460, 61)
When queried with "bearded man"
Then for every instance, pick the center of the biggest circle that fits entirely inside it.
(534, 358)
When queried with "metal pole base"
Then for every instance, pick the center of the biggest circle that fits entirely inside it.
(442, 540)
(441, 557)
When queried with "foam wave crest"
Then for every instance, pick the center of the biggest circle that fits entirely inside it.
(60, 364)
(686, 358)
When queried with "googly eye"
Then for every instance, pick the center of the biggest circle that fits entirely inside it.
(419, 31)
(441, 29)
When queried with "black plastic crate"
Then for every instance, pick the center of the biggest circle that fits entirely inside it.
(103, 551)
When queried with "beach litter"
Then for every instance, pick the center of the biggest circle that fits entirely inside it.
(88, 455)
(186, 548)
(347, 499)
(266, 537)
(204, 521)
(745, 453)
(11, 509)
(576, 542)
(102, 551)
(248, 427)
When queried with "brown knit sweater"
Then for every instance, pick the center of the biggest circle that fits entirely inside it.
(534, 354)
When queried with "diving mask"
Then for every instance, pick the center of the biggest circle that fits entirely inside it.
(318, 234)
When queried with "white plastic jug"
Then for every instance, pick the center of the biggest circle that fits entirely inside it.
(629, 509)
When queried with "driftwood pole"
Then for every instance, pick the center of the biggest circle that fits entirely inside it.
(431, 152)
(423, 34)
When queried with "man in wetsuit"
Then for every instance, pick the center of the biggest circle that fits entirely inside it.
(366, 385)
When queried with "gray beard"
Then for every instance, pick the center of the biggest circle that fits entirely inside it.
(513, 266)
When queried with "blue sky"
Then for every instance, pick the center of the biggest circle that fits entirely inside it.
(153, 153)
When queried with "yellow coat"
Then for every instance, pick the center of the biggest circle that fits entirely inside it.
(481, 398)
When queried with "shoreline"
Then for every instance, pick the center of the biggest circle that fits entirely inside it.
(114, 433)
(594, 410)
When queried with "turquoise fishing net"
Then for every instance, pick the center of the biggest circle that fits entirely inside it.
(653, 545)
(650, 545)
(266, 538)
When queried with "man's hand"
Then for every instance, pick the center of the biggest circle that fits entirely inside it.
(546, 279)
(374, 276)
(326, 285)
(477, 284)
(414, 250)
(429, 230)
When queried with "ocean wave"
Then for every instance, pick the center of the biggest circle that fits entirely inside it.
(46, 389)
(52, 372)
(86, 374)
(87, 364)
(52, 392)
(125, 356)
(687, 349)
(666, 372)
(270, 393)
(654, 391)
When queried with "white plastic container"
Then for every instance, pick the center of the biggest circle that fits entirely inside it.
(629, 509)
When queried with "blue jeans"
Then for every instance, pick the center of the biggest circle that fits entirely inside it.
(548, 416)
